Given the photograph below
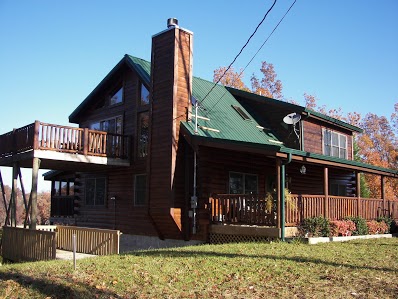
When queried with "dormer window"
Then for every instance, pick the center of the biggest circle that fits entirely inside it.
(334, 144)
(117, 97)
(144, 95)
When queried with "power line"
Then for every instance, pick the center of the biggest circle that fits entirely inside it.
(250, 61)
(240, 52)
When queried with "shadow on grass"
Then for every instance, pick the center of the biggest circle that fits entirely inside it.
(56, 289)
(298, 259)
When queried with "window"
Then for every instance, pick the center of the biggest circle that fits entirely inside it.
(242, 183)
(143, 134)
(117, 97)
(144, 95)
(334, 144)
(95, 191)
(337, 189)
(140, 190)
(111, 125)
(64, 187)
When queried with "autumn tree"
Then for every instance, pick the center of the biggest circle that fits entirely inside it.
(229, 78)
(268, 85)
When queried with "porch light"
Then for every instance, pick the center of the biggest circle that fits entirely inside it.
(303, 170)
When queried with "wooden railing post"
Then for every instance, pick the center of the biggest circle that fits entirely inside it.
(85, 141)
(36, 131)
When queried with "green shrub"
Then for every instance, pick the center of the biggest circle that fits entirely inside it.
(315, 227)
(360, 224)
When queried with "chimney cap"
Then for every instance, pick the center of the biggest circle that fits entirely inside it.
(172, 22)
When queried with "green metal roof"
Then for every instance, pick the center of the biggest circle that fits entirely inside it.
(293, 107)
(225, 124)
(337, 160)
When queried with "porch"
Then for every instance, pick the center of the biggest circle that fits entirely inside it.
(256, 217)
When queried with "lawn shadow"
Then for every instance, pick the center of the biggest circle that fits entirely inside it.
(299, 259)
(53, 289)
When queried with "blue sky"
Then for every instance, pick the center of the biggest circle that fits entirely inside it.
(54, 53)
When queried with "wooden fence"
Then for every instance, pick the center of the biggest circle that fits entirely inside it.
(20, 244)
(64, 139)
(88, 240)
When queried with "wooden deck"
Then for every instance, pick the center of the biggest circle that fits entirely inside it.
(243, 209)
(53, 144)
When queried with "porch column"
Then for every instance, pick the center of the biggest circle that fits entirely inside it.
(326, 191)
(278, 193)
(13, 200)
(33, 194)
(358, 182)
(383, 194)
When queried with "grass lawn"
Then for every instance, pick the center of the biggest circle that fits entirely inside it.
(355, 269)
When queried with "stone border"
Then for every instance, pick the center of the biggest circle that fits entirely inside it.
(316, 240)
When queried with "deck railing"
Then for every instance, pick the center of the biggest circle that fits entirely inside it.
(20, 244)
(240, 209)
(64, 139)
(252, 209)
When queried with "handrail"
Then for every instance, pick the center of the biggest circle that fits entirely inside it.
(51, 137)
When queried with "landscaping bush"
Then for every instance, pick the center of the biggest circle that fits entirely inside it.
(360, 224)
(377, 227)
(342, 228)
(392, 226)
(315, 227)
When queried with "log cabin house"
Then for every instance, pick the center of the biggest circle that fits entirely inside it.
(160, 153)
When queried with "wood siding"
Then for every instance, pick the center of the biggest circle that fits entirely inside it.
(313, 137)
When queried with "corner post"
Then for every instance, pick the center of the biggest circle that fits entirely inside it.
(85, 141)
(36, 135)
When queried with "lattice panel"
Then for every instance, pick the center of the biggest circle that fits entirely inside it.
(223, 238)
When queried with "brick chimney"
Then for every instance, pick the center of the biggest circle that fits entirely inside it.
(171, 90)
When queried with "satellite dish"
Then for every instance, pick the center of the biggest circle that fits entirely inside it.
(292, 118)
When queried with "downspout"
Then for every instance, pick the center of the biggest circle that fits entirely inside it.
(289, 159)
(194, 198)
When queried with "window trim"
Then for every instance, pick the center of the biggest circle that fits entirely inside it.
(244, 185)
(105, 192)
(145, 189)
(324, 131)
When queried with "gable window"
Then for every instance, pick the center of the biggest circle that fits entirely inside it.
(242, 183)
(117, 97)
(95, 191)
(144, 95)
(140, 189)
(334, 144)
(143, 134)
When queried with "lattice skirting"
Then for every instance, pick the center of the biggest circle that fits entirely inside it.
(225, 238)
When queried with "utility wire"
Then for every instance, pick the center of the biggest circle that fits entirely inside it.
(250, 61)
(240, 52)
